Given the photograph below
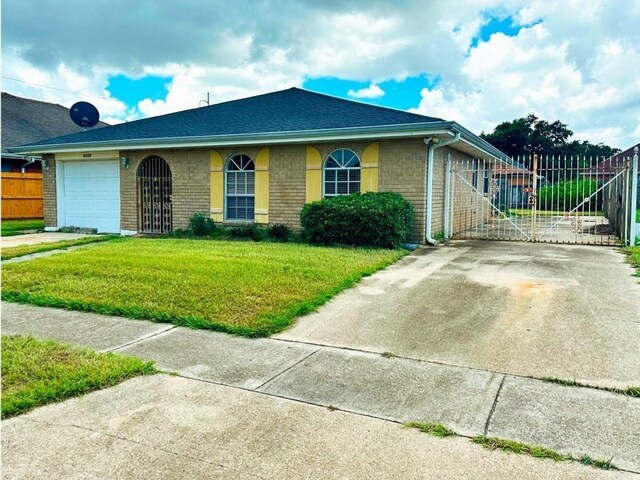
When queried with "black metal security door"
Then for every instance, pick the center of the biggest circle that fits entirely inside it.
(154, 195)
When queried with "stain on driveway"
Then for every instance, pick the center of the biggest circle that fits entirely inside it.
(571, 312)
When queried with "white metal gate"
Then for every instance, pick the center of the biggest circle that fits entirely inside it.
(557, 199)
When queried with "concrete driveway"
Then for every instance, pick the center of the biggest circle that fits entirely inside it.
(539, 310)
(35, 238)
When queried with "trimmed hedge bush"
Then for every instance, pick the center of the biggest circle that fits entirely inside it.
(382, 219)
(567, 195)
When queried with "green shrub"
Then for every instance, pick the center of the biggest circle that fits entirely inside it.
(382, 219)
(279, 232)
(567, 195)
(201, 225)
(254, 232)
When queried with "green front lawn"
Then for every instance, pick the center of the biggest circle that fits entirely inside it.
(16, 227)
(36, 372)
(21, 250)
(246, 288)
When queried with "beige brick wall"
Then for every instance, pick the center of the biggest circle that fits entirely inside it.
(287, 177)
(402, 170)
(190, 171)
(49, 192)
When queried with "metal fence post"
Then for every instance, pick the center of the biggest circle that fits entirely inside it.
(634, 198)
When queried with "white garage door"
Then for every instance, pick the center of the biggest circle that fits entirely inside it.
(91, 195)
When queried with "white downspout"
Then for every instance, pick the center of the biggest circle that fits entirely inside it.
(432, 144)
(31, 160)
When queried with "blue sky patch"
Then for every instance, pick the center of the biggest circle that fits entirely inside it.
(402, 95)
(131, 91)
(497, 22)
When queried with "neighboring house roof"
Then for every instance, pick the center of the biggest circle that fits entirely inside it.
(611, 166)
(280, 117)
(26, 121)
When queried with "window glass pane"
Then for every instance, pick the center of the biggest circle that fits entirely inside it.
(332, 163)
(354, 187)
(354, 175)
(329, 188)
(250, 182)
(343, 175)
(343, 188)
(330, 176)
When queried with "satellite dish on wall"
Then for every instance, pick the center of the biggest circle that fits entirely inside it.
(84, 114)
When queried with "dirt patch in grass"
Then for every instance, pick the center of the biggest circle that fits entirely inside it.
(36, 372)
(251, 289)
(22, 250)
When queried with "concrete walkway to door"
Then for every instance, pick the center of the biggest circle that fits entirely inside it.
(538, 310)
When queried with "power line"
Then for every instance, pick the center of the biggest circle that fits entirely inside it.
(53, 88)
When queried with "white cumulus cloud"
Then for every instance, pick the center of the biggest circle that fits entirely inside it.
(372, 91)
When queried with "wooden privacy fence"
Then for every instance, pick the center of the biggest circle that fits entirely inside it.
(21, 195)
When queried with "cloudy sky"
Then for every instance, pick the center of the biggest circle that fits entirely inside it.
(479, 62)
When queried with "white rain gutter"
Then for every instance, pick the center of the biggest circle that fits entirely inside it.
(432, 144)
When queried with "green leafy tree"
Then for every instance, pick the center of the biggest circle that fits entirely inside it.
(530, 134)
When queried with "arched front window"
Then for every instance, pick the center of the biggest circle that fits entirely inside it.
(240, 188)
(341, 173)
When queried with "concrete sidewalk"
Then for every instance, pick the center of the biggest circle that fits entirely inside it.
(580, 421)
(166, 427)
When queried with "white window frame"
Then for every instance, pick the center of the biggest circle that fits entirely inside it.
(227, 195)
(324, 170)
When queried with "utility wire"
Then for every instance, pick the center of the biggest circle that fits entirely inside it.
(53, 88)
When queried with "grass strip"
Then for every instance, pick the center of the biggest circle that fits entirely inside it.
(629, 391)
(435, 429)
(17, 227)
(538, 451)
(22, 250)
(250, 289)
(633, 254)
(36, 372)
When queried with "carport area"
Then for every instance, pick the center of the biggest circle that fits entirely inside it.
(530, 309)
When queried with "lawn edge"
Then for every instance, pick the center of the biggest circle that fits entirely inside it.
(59, 245)
(279, 321)
(144, 368)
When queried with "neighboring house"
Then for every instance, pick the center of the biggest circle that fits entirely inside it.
(610, 167)
(255, 160)
(26, 121)
(514, 185)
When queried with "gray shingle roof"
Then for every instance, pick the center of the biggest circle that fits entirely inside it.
(292, 110)
(26, 121)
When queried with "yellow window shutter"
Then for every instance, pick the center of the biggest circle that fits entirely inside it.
(369, 165)
(216, 180)
(314, 175)
(262, 186)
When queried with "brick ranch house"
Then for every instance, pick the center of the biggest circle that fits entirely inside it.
(256, 160)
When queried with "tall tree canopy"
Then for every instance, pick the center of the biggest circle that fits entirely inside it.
(530, 134)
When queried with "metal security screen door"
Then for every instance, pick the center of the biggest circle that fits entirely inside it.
(154, 196)
(576, 200)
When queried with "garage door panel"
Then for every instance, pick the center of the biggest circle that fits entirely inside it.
(92, 195)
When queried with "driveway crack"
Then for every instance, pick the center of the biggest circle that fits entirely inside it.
(287, 369)
(495, 404)
(142, 339)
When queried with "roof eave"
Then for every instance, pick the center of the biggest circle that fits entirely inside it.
(385, 131)
(435, 128)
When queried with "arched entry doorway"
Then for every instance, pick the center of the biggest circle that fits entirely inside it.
(154, 195)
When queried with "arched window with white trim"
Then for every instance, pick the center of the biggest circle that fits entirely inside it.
(240, 188)
(341, 173)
